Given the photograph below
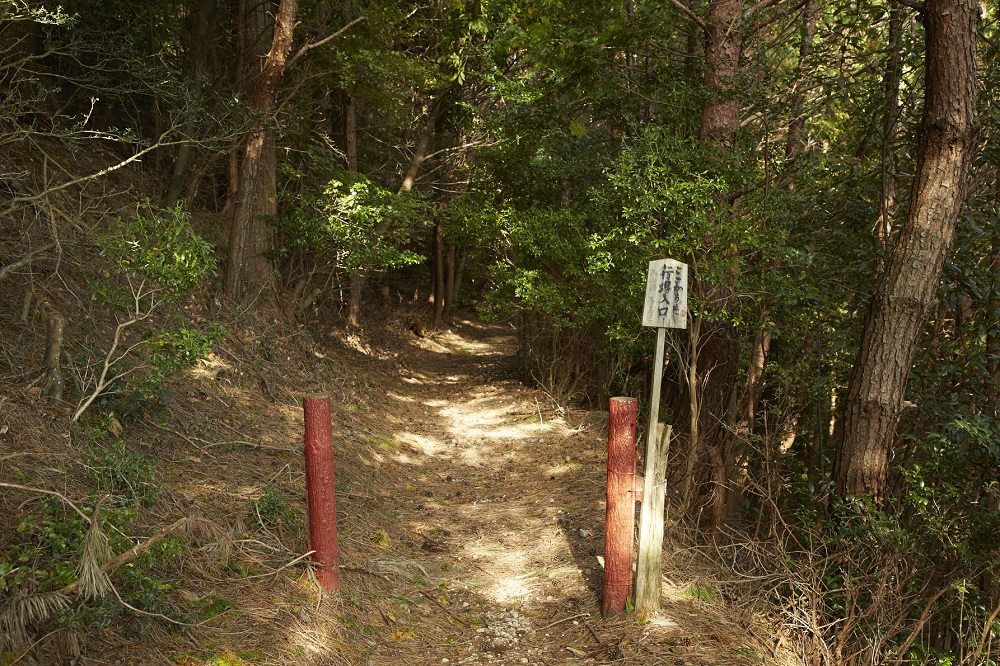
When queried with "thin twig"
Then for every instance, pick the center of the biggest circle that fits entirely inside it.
(985, 637)
(24, 261)
(919, 626)
(442, 607)
(31, 647)
(308, 47)
(690, 14)
(283, 566)
(44, 491)
(565, 619)
(16, 201)
(102, 381)
(165, 617)
(592, 633)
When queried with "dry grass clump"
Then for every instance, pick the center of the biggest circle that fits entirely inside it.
(21, 613)
(92, 580)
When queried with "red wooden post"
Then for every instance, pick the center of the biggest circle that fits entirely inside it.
(619, 523)
(321, 493)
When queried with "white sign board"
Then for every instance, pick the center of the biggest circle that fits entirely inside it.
(666, 294)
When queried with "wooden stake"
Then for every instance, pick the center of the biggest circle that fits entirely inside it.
(619, 523)
(322, 497)
(647, 579)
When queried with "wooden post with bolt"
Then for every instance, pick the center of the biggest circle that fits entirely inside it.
(620, 518)
(322, 496)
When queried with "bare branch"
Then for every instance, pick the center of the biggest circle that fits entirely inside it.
(132, 553)
(44, 491)
(15, 203)
(27, 58)
(759, 7)
(308, 47)
(919, 626)
(26, 260)
(102, 381)
(690, 14)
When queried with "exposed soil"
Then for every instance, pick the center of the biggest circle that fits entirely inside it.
(471, 513)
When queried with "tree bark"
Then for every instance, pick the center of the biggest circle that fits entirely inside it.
(720, 120)
(199, 56)
(357, 279)
(993, 332)
(907, 290)
(248, 271)
(459, 271)
(720, 117)
(438, 274)
(423, 143)
(890, 85)
(796, 128)
(449, 286)
(694, 413)
(719, 358)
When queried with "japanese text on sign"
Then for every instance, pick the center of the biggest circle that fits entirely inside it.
(666, 295)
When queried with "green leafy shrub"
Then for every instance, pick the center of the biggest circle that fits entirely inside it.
(124, 474)
(156, 257)
(51, 549)
(271, 510)
(358, 224)
(157, 253)
(168, 351)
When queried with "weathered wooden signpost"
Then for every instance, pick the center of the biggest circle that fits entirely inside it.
(665, 307)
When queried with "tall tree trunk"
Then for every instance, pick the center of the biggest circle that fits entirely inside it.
(795, 143)
(248, 271)
(694, 414)
(232, 180)
(890, 85)
(718, 408)
(423, 143)
(796, 128)
(357, 279)
(720, 120)
(409, 180)
(459, 271)
(993, 334)
(199, 56)
(449, 285)
(720, 117)
(906, 292)
(438, 274)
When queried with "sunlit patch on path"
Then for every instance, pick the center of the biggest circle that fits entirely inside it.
(505, 504)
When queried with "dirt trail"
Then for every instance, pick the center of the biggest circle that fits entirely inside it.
(500, 514)
(508, 504)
